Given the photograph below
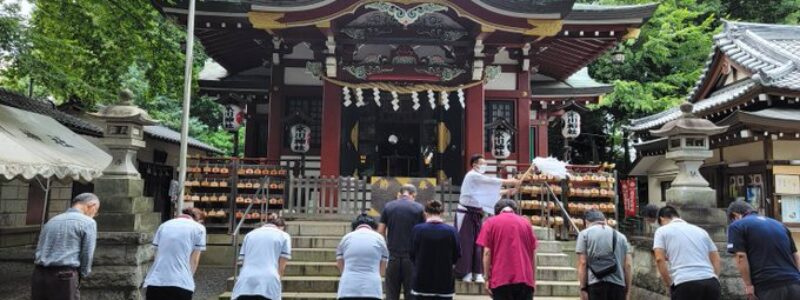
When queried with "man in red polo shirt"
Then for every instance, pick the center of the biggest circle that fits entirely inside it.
(509, 250)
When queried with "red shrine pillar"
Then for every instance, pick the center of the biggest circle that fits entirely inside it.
(473, 123)
(523, 118)
(331, 129)
(541, 134)
(275, 118)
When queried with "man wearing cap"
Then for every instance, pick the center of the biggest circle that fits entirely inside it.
(599, 240)
(686, 257)
(765, 254)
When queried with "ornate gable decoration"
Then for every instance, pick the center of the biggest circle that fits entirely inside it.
(406, 16)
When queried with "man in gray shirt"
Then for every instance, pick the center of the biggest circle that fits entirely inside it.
(65, 250)
(595, 241)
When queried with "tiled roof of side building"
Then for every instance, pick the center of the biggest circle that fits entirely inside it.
(165, 134)
(768, 51)
(589, 12)
(47, 108)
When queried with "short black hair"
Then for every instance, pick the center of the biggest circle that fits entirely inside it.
(668, 212)
(364, 219)
(475, 158)
(650, 211)
(503, 203)
(740, 207)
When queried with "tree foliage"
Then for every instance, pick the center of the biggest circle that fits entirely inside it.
(90, 49)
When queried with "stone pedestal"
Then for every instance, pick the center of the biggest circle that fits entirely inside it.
(121, 262)
(125, 231)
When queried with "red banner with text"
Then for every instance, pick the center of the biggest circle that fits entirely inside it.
(629, 196)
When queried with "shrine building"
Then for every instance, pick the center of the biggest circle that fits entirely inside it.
(403, 88)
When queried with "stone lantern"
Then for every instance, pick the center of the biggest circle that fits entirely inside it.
(688, 146)
(124, 135)
(126, 223)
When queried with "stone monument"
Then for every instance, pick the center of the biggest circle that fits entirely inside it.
(126, 222)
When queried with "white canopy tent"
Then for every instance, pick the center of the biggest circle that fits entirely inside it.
(34, 146)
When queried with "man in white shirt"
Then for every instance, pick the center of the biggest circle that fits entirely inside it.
(687, 258)
(178, 245)
(265, 253)
(479, 193)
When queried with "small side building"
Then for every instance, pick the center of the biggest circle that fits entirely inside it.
(23, 198)
(752, 85)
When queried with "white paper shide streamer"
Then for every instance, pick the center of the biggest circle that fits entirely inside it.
(461, 98)
(347, 98)
(360, 97)
(432, 99)
(444, 100)
(551, 166)
(415, 99)
(376, 94)
(395, 101)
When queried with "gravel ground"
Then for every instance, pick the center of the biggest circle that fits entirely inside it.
(15, 281)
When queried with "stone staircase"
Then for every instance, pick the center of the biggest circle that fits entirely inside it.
(312, 272)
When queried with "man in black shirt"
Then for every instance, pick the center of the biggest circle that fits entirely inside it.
(400, 216)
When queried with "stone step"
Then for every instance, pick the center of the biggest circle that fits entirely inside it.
(330, 284)
(315, 241)
(314, 254)
(332, 296)
(552, 260)
(315, 228)
(316, 269)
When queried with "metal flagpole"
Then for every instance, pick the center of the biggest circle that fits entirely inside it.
(187, 99)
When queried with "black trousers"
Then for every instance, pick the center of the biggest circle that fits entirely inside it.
(789, 291)
(432, 298)
(399, 272)
(167, 293)
(606, 291)
(55, 283)
(706, 289)
(517, 291)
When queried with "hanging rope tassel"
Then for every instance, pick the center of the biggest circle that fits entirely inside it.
(432, 99)
(415, 99)
(360, 97)
(443, 97)
(461, 98)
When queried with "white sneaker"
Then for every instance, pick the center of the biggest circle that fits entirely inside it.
(467, 278)
(479, 278)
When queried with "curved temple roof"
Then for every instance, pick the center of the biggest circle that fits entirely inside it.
(770, 52)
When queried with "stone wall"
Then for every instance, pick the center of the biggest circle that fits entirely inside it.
(647, 281)
(14, 209)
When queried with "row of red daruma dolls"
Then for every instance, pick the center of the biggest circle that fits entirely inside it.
(559, 221)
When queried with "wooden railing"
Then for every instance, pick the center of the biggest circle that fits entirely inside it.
(346, 196)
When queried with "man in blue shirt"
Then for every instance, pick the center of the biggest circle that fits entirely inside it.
(65, 250)
(766, 254)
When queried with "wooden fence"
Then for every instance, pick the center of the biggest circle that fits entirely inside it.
(345, 196)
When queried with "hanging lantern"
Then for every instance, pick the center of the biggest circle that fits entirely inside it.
(376, 95)
(301, 138)
(572, 124)
(233, 117)
(347, 99)
(432, 99)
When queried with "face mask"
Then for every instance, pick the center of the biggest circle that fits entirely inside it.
(481, 169)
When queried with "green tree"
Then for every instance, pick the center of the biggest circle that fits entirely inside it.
(88, 50)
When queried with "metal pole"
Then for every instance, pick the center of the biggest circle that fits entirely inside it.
(187, 99)
(236, 143)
